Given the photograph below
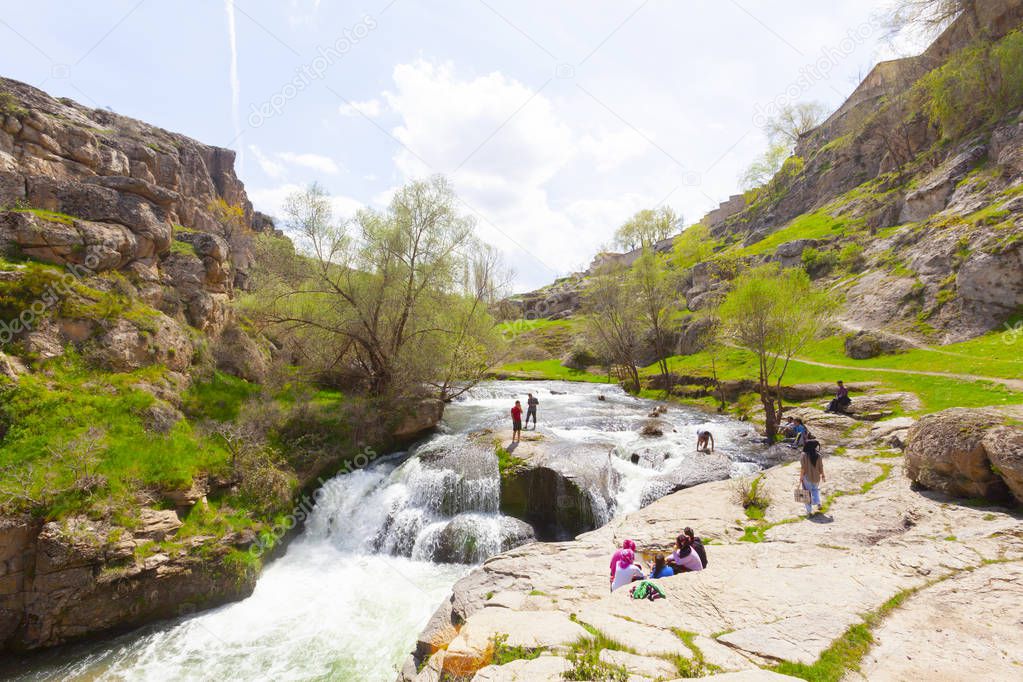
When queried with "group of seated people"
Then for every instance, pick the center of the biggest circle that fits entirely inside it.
(689, 555)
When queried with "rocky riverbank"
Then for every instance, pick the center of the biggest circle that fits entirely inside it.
(928, 580)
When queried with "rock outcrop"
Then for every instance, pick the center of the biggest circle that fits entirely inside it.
(95, 193)
(559, 490)
(62, 581)
(967, 453)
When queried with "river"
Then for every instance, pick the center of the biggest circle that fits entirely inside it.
(352, 592)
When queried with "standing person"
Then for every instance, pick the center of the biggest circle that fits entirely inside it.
(516, 415)
(704, 441)
(531, 404)
(811, 473)
(841, 400)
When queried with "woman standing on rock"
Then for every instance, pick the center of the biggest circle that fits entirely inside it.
(811, 473)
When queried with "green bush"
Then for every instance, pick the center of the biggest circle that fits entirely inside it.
(850, 258)
(817, 263)
(978, 85)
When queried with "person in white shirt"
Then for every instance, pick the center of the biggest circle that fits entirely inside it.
(627, 570)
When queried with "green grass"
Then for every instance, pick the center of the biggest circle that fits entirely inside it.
(182, 248)
(45, 411)
(817, 225)
(936, 393)
(506, 461)
(42, 213)
(219, 398)
(548, 370)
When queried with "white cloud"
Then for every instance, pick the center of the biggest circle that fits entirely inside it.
(371, 108)
(270, 200)
(314, 162)
(268, 165)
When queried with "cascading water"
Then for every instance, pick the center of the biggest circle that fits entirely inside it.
(385, 544)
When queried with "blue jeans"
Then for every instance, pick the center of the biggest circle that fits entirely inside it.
(815, 494)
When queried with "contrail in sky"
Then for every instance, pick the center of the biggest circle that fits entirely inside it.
(232, 38)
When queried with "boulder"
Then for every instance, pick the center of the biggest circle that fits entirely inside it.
(542, 669)
(866, 344)
(790, 254)
(125, 347)
(993, 278)
(460, 541)
(238, 354)
(424, 417)
(560, 490)
(1004, 447)
(945, 452)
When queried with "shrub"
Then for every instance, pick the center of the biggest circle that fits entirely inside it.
(851, 258)
(818, 263)
(751, 496)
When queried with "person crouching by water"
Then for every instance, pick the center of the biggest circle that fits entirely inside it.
(685, 560)
(627, 546)
(704, 441)
(516, 415)
(661, 569)
(627, 570)
(811, 473)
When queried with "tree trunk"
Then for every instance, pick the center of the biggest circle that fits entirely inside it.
(770, 416)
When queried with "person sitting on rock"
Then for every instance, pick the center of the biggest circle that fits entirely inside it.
(697, 544)
(627, 546)
(684, 560)
(841, 400)
(627, 570)
(704, 441)
(801, 433)
(661, 569)
(788, 429)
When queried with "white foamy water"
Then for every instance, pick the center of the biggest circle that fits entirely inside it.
(351, 594)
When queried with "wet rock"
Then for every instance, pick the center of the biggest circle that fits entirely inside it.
(465, 539)
(691, 472)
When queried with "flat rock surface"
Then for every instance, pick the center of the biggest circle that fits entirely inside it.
(785, 597)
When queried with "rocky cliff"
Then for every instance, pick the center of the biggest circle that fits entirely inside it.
(913, 214)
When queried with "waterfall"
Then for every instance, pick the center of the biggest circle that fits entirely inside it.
(440, 504)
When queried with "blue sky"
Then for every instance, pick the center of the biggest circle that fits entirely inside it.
(554, 120)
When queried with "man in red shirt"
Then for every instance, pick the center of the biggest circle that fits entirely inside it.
(516, 414)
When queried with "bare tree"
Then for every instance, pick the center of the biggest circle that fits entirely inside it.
(613, 322)
(930, 16)
(794, 120)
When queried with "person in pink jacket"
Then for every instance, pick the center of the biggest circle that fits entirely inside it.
(627, 546)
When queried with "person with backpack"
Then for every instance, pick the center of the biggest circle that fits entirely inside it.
(811, 473)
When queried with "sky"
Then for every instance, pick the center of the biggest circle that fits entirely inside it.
(555, 121)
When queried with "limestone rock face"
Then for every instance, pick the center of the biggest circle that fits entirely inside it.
(946, 451)
(424, 417)
(89, 189)
(63, 581)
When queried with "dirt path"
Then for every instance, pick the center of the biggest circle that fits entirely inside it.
(1012, 384)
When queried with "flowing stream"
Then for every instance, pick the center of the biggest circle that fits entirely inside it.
(378, 554)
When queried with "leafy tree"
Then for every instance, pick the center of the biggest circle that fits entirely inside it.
(654, 294)
(774, 313)
(614, 324)
(765, 166)
(648, 227)
(794, 120)
(396, 299)
(693, 246)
